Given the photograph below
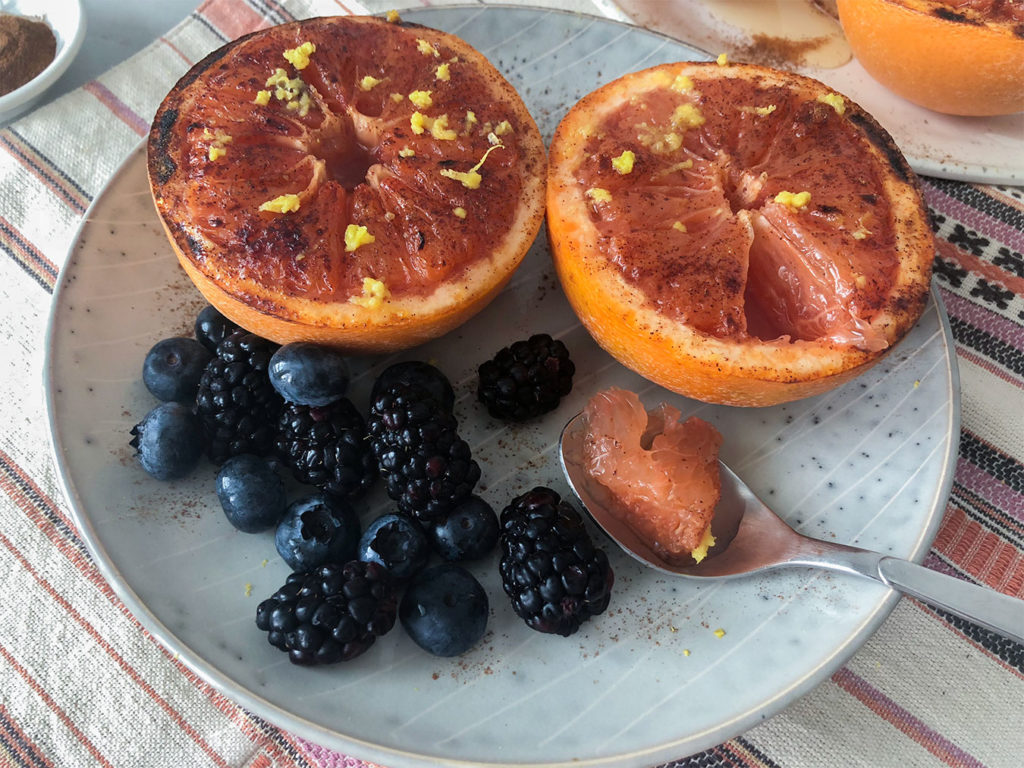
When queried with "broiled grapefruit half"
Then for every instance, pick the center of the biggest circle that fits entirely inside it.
(961, 57)
(352, 181)
(734, 233)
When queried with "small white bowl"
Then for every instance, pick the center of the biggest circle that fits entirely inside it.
(67, 21)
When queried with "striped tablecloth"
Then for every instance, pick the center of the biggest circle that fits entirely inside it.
(82, 683)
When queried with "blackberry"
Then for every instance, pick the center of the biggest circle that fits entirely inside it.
(550, 569)
(419, 373)
(329, 614)
(236, 402)
(526, 379)
(327, 447)
(427, 467)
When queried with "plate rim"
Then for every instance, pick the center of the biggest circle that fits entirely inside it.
(674, 748)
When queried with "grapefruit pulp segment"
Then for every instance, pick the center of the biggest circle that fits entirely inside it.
(662, 471)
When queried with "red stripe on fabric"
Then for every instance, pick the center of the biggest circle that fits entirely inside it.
(38, 166)
(38, 689)
(232, 18)
(972, 263)
(27, 254)
(92, 574)
(903, 721)
(121, 110)
(738, 756)
(177, 50)
(112, 653)
(988, 365)
(980, 553)
(25, 747)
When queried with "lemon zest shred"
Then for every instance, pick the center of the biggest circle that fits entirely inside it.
(623, 164)
(682, 83)
(356, 236)
(599, 195)
(426, 48)
(502, 128)
(369, 82)
(287, 203)
(835, 101)
(393, 16)
(438, 126)
(686, 651)
(460, 212)
(471, 179)
(719, 633)
(795, 201)
(443, 72)
(406, 152)
(298, 57)
(678, 225)
(374, 294)
(421, 99)
(707, 541)
(216, 152)
(682, 166)
(248, 589)
(397, 97)
(262, 98)
(722, 60)
(687, 116)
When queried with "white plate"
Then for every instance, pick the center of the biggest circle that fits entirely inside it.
(870, 463)
(67, 21)
(982, 149)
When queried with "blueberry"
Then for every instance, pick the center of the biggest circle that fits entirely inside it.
(317, 529)
(444, 610)
(172, 369)
(419, 373)
(251, 493)
(468, 533)
(309, 374)
(212, 327)
(168, 441)
(397, 542)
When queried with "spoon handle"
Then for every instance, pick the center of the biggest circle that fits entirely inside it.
(994, 610)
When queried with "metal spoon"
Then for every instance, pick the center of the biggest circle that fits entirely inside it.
(751, 538)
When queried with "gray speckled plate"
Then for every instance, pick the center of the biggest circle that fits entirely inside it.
(870, 464)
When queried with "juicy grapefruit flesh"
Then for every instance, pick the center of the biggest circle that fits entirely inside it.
(986, 10)
(754, 268)
(662, 471)
(354, 158)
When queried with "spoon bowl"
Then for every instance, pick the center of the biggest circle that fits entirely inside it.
(751, 538)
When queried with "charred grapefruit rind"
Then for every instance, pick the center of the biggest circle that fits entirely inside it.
(409, 317)
(951, 60)
(747, 372)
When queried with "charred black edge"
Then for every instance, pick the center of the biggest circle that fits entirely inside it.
(878, 136)
(958, 18)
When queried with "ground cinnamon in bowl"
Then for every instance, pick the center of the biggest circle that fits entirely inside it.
(27, 46)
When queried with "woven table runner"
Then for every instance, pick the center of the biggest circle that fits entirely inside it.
(82, 683)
